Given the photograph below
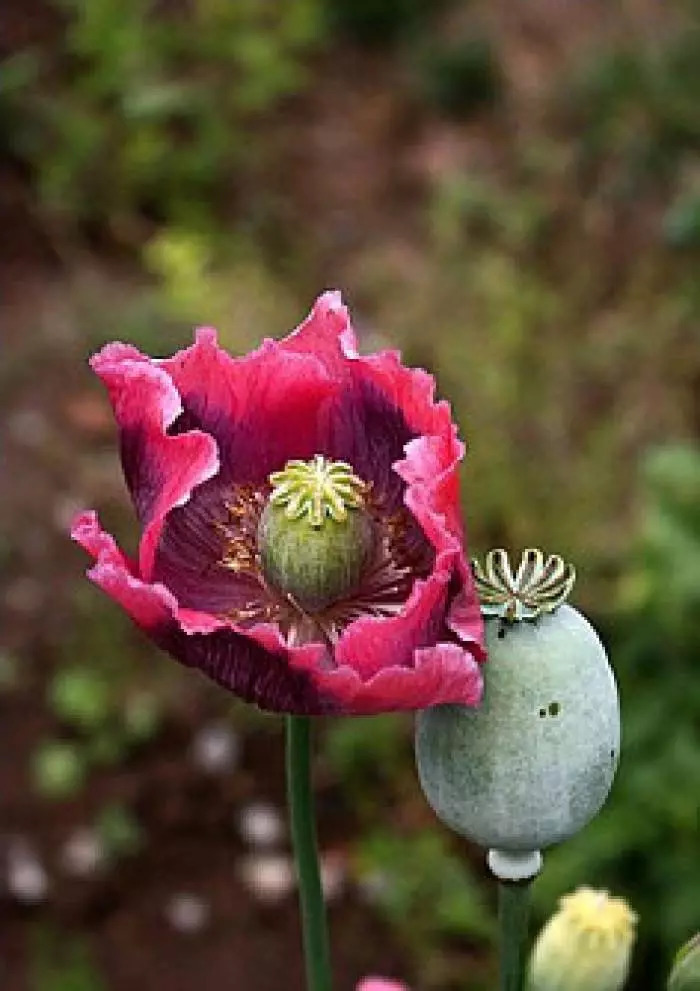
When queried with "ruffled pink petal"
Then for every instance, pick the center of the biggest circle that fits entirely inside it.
(412, 390)
(327, 333)
(259, 667)
(185, 418)
(137, 388)
(430, 467)
(371, 643)
(277, 679)
(86, 531)
(430, 461)
(438, 673)
(464, 613)
(150, 606)
(441, 673)
(432, 496)
(380, 984)
(263, 408)
(161, 470)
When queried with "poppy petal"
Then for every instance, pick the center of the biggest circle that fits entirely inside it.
(260, 668)
(201, 432)
(161, 471)
(262, 409)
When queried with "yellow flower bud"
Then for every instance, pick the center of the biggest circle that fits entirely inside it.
(585, 946)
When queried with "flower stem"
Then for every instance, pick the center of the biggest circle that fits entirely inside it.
(513, 911)
(301, 810)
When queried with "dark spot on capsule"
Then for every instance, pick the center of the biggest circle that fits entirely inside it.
(543, 713)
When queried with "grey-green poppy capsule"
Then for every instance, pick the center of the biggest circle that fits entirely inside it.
(535, 762)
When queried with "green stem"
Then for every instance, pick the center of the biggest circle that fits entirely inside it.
(513, 911)
(301, 810)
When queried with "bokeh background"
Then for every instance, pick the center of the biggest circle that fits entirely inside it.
(510, 192)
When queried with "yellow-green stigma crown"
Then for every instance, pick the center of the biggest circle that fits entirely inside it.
(319, 490)
(314, 536)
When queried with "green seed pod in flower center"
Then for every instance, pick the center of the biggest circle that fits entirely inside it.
(315, 535)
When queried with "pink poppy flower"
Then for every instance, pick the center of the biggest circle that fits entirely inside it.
(202, 433)
(380, 984)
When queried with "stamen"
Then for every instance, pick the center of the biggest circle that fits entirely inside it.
(323, 490)
(240, 554)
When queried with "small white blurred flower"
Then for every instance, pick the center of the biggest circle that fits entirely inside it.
(27, 880)
(585, 946)
(333, 875)
(83, 853)
(261, 825)
(270, 878)
(215, 748)
(187, 913)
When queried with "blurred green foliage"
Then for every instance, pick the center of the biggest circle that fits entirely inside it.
(539, 378)
(79, 696)
(682, 220)
(369, 757)
(638, 100)
(59, 769)
(428, 893)
(9, 672)
(62, 963)
(153, 115)
(644, 843)
(685, 974)
(230, 288)
(460, 77)
(437, 906)
(18, 74)
(379, 23)
(104, 706)
(119, 832)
